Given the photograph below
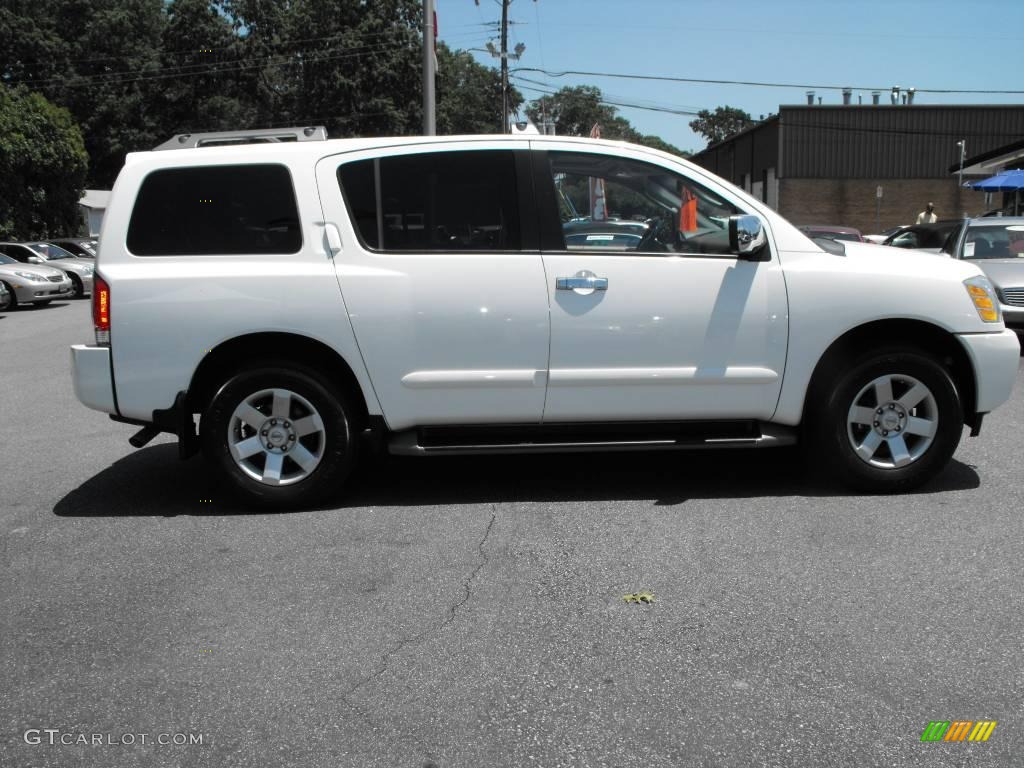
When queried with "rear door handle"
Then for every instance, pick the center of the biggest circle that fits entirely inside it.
(581, 283)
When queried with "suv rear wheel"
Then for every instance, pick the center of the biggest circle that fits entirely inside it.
(887, 423)
(281, 436)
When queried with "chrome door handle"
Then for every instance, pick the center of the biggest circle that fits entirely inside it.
(581, 282)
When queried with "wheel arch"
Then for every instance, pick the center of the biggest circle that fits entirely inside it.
(926, 336)
(228, 356)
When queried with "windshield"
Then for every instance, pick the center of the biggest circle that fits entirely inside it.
(50, 252)
(842, 236)
(1002, 241)
(5, 259)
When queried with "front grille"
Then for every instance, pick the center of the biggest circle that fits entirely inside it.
(57, 279)
(1013, 296)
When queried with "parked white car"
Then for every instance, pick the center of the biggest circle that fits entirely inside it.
(301, 295)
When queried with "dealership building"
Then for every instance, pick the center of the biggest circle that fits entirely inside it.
(869, 166)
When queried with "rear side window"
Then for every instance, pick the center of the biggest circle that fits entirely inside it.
(230, 209)
(443, 201)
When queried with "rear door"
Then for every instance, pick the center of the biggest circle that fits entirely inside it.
(442, 279)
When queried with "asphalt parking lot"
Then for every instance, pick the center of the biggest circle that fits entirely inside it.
(469, 612)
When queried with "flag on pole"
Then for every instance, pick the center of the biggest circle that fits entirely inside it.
(598, 205)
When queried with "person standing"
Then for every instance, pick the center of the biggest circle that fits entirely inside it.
(927, 216)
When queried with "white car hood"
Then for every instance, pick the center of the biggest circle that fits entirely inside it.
(906, 262)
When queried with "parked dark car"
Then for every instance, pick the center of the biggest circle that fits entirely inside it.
(923, 237)
(832, 232)
(613, 234)
(83, 248)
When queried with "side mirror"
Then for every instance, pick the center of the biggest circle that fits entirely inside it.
(34, 260)
(747, 238)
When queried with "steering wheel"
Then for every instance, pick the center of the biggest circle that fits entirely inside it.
(659, 235)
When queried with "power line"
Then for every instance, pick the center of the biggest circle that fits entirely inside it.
(270, 59)
(789, 123)
(612, 103)
(665, 78)
(191, 70)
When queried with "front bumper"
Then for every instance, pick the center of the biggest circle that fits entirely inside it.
(1012, 316)
(995, 358)
(93, 377)
(29, 293)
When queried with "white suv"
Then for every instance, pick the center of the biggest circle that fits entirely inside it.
(511, 294)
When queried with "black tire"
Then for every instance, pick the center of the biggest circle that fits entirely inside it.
(79, 292)
(338, 447)
(14, 298)
(828, 435)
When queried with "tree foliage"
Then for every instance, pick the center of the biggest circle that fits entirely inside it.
(721, 124)
(134, 72)
(42, 164)
(576, 109)
(468, 94)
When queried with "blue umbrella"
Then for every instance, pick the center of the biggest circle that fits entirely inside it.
(1007, 181)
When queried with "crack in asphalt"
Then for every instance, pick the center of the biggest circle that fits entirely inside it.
(452, 611)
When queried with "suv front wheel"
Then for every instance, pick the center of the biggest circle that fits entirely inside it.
(887, 423)
(282, 436)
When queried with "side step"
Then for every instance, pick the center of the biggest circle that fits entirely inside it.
(566, 438)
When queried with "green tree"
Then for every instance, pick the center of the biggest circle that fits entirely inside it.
(207, 94)
(350, 65)
(468, 94)
(575, 110)
(43, 165)
(98, 59)
(721, 124)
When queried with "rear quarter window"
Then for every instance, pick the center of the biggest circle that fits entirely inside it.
(208, 210)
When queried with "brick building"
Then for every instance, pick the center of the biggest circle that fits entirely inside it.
(823, 164)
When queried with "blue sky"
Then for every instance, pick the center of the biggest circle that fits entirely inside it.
(971, 45)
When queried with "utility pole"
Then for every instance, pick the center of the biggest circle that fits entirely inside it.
(960, 174)
(504, 65)
(429, 34)
(504, 55)
(963, 150)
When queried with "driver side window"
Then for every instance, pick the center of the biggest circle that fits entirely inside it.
(612, 204)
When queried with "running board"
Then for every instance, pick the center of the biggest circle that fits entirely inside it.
(568, 438)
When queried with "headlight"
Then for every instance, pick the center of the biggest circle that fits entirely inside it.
(984, 297)
(31, 277)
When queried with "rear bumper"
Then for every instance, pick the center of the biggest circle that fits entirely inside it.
(995, 358)
(93, 378)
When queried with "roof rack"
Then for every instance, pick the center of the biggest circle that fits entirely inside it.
(260, 136)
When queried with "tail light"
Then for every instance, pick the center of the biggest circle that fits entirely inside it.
(101, 310)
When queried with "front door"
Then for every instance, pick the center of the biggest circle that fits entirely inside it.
(442, 279)
(651, 316)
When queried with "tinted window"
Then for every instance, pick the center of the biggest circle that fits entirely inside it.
(215, 210)
(611, 203)
(17, 252)
(360, 191)
(443, 201)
